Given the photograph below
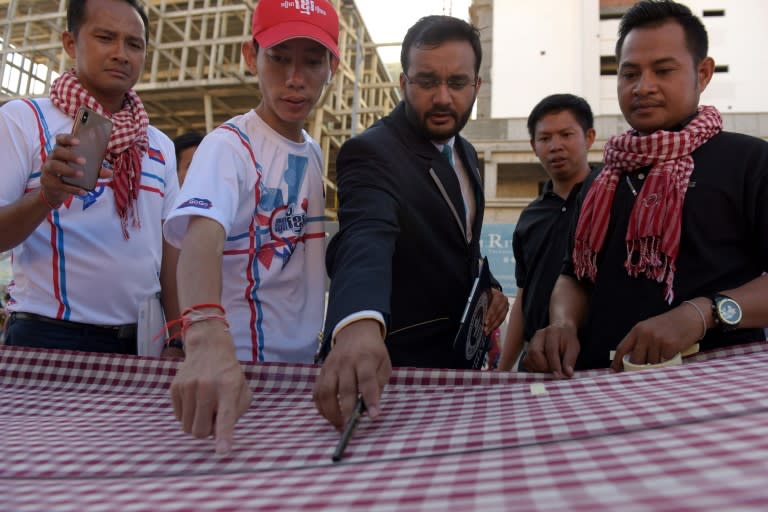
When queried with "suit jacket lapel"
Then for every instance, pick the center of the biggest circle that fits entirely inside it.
(459, 217)
(469, 158)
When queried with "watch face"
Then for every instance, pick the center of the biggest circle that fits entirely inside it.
(730, 311)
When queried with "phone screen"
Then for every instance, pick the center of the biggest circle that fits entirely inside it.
(94, 131)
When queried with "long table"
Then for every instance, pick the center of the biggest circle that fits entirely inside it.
(85, 432)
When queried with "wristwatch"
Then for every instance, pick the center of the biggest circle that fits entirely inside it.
(725, 311)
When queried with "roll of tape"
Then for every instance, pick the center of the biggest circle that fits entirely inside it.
(629, 366)
(693, 349)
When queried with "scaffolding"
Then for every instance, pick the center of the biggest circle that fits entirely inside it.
(194, 77)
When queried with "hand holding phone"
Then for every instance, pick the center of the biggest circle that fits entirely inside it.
(93, 130)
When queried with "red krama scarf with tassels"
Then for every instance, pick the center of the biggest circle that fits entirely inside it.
(127, 144)
(653, 233)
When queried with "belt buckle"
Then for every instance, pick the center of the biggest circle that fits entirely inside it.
(125, 331)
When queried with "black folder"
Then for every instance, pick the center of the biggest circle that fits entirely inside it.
(471, 344)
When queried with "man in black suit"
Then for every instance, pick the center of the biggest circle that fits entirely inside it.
(411, 210)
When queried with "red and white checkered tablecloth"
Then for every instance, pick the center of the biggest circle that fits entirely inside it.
(95, 432)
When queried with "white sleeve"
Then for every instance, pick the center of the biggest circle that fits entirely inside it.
(171, 179)
(18, 148)
(367, 314)
(211, 188)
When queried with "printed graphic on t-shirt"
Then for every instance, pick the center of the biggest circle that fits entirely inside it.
(283, 216)
(91, 197)
(196, 202)
(156, 155)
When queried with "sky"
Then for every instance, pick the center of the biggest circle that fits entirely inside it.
(389, 20)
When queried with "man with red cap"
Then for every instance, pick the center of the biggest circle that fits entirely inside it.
(249, 222)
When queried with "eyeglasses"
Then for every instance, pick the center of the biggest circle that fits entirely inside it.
(430, 83)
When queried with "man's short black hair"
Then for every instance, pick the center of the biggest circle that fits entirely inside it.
(432, 31)
(654, 13)
(76, 16)
(556, 103)
(190, 139)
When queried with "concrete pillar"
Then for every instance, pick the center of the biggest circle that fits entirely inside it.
(491, 176)
(481, 16)
(208, 110)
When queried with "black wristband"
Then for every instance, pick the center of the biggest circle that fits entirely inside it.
(174, 343)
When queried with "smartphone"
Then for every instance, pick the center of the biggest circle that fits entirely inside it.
(94, 131)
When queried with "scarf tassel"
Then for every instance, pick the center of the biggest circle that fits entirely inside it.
(645, 257)
(585, 261)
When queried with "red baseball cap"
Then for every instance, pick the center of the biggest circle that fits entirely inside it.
(275, 21)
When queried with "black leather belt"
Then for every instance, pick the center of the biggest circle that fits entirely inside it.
(120, 332)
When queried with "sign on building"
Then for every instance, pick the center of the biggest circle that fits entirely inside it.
(496, 244)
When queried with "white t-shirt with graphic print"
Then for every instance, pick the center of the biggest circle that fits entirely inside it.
(267, 193)
(77, 265)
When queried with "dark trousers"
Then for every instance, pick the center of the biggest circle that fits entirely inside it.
(23, 331)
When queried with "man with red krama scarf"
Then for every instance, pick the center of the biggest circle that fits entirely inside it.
(83, 261)
(671, 244)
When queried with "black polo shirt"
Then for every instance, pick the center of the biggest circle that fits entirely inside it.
(724, 244)
(539, 244)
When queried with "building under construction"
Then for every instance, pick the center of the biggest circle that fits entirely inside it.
(194, 77)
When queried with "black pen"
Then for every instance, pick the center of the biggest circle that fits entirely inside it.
(349, 428)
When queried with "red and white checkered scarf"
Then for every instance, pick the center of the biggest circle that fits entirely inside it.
(127, 144)
(653, 234)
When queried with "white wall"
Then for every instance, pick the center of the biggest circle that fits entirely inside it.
(739, 40)
(543, 47)
(573, 38)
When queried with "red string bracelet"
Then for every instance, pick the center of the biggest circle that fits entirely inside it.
(186, 321)
(45, 201)
(197, 307)
(188, 317)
